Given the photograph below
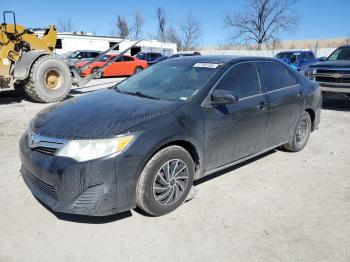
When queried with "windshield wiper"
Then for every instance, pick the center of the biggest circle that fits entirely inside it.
(138, 93)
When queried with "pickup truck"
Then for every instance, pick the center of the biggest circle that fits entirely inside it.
(333, 73)
(300, 60)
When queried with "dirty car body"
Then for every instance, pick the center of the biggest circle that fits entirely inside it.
(217, 135)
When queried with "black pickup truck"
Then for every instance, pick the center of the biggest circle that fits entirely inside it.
(333, 73)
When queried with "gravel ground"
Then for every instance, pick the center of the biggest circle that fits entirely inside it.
(278, 207)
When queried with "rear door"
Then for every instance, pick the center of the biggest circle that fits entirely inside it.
(128, 65)
(285, 98)
(237, 130)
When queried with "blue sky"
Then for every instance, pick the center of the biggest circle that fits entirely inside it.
(318, 19)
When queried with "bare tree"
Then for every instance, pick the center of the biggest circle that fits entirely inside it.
(262, 21)
(347, 40)
(191, 29)
(138, 23)
(173, 37)
(161, 24)
(66, 25)
(122, 27)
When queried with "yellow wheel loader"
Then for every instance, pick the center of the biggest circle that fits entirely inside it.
(27, 62)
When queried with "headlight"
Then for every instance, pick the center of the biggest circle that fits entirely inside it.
(310, 73)
(84, 150)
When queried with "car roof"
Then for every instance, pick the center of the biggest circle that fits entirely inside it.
(87, 51)
(296, 51)
(148, 53)
(118, 54)
(223, 58)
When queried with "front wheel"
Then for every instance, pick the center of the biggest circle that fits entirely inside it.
(94, 71)
(301, 134)
(165, 181)
(49, 80)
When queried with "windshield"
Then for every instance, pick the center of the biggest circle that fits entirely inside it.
(74, 54)
(171, 80)
(104, 58)
(342, 53)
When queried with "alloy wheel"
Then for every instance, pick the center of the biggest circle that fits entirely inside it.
(170, 182)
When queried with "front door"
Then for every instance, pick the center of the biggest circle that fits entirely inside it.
(237, 130)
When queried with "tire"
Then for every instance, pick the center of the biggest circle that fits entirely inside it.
(98, 76)
(49, 80)
(159, 193)
(138, 69)
(301, 133)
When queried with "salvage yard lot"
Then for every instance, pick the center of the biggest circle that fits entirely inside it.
(279, 207)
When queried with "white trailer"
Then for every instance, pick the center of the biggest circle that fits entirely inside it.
(68, 42)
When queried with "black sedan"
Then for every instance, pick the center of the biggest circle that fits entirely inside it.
(144, 141)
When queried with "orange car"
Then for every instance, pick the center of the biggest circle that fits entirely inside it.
(124, 66)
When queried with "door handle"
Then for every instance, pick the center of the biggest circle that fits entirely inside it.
(261, 106)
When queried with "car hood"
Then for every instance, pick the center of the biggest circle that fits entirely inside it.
(102, 114)
(332, 64)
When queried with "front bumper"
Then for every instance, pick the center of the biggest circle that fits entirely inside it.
(97, 188)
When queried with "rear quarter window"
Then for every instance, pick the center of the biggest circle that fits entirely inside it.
(275, 76)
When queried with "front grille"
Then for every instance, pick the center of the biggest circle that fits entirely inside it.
(43, 144)
(327, 71)
(328, 79)
(45, 150)
(333, 76)
(47, 188)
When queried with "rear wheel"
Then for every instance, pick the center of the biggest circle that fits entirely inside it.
(301, 134)
(49, 80)
(138, 69)
(165, 181)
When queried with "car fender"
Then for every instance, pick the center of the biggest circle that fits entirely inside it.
(23, 66)
(176, 139)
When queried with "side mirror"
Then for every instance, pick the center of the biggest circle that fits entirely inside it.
(223, 97)
(321, 59)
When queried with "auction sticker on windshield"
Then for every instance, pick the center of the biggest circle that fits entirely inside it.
(206, 65)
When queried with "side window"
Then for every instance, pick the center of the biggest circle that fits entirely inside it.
(155, 55)
(84, 55)
(127, 59)
(275, 76)
(242, 80)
